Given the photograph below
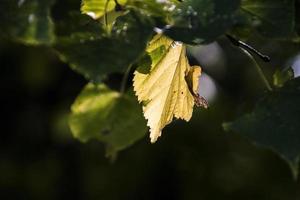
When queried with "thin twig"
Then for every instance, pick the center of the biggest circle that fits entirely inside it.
(242, 44)
(124, 80)
(105, 13)
(118, 6)
(258, 69)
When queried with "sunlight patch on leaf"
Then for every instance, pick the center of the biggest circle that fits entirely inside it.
(97, 8)
(106, 115)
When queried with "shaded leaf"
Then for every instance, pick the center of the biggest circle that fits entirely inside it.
(272, 18)
(95, 53)
(106, 115)
(28, 22)
(162, 86)
(202, 21)
(275, 121)
(298, 18)
(75, 23)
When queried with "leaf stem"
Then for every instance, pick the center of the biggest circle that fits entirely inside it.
(105, 13)
(246, 46)
(294, 165)
(258, 69)
(118, 6)
(124, 80)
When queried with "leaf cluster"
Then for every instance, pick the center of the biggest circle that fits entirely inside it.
(112, 35)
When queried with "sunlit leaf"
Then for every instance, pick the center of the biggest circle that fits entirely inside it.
(162, 87)
(106, 115)
(275, 120)
(26, 21)
(97, 8)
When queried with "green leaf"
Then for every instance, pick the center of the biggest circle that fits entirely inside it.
(95, 53)
(74, 23)
(275, 121)
(106, 115)
(26, 21)
(280, 77)
(202, 21)
(97, 8)
(154, 8)
(271, 18)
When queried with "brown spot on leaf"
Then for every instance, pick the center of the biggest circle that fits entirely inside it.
(200, 101)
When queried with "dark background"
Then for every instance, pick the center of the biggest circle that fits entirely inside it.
(39, 158)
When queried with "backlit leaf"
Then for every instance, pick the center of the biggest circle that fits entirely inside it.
(106, 115)
(97, 8)
(162, 86)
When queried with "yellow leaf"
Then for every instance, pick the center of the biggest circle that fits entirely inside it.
(167, 86)
(193, 79)
(193, 82)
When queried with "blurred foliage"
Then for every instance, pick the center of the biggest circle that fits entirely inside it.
(196, 160)
(27, 21)
(274, 19)
(93, 53)
(98, 8)
(277, 111)
(99, 113)
(280, 77)
(203, 21)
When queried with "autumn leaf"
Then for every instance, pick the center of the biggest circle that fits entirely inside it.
(168, 86)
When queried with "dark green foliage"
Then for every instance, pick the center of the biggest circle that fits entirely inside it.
(27, 21)
(203, 21)
(271, 18)
(40, 159)
(97, 48)
(297, 7)
(96, 53)
(275, 121)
